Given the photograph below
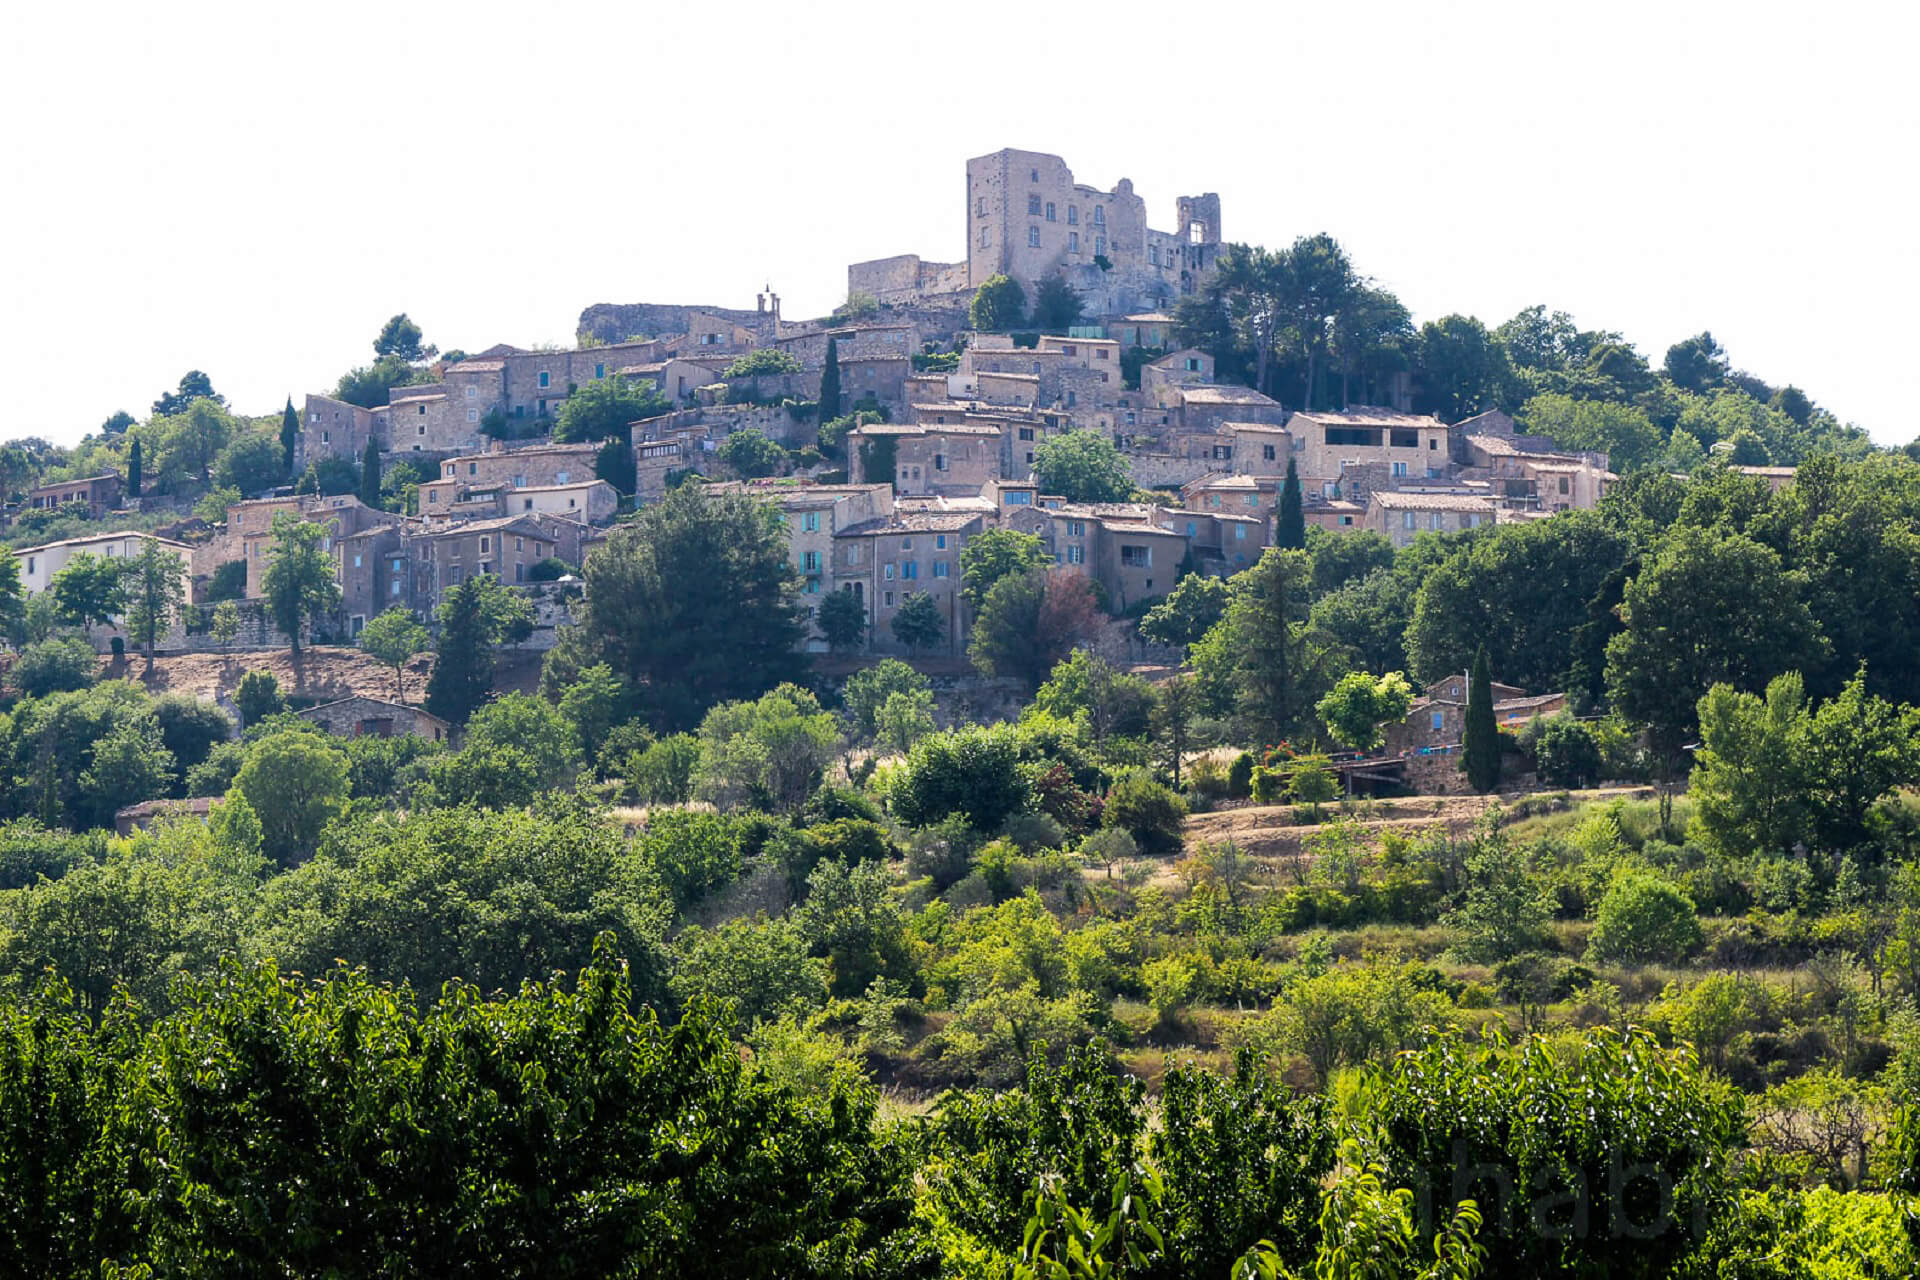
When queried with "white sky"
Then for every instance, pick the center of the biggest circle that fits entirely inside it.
(252, 189)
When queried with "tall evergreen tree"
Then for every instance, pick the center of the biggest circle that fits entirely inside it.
(1291, 535)
(133, 468)
(289, 435)
(370, 474)
(1481, 750)
(830, 383)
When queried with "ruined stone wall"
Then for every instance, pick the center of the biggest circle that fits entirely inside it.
(613, 322)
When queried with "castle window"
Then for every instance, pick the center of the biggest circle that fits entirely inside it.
(546, 379)
(1049, 211)
(1196, 233)
(980, 207)
(1099, 215)
(1073, 242)
(983, 237)
(1033, 206)
(473, 415)
(1033, 237)
(1036, 175)
(1073, 215)
(472, 392)
(1153, 256)
(1100, 245)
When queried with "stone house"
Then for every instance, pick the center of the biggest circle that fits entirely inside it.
(1147, 329)
(1136, 550)
(1207, 407)
(1523, 476)
(925, 458)
(1411, 447)
(39, 565)
(537, 465)
(1404, 515)
(851, 342)
(812, 516)
(1335, 515)
(1187, 367)
(142, 816)
(884, 560)
(364, 717)
(331, 428)
(101, 494)
(248, 534)
(506, 547)
(1437, 719)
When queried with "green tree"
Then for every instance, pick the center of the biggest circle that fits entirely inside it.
(751, 454)
(829, 396)
(606, 409)
(400, 339)
(1696, 364)
(1359, 705)
(918, 624)
(1706, 608)
(155, 592)
(80, 756)
(842, 620)
(257, 697)
(867, 692)
(1030, 622)
(1504, 904)
(990, 556)
(297, 784)
(194, 385)
(92, 589)
(1644, 920)
(973, 771)
(694, 603)
(517, 748)
(1291, 527)
(1462, 369)
(13, 599)
(1145, 810)
(133, 468)
(998, 305)
(392, 638)
(370, 474)
(369, 386)
(762, 362)
(769, 753)
(1621, 431)
(289, 436)
(299, 585)
(54, 665)
(476, 617)
(1187, 612)
(1082, 466)
(249, 463)
(1254, 656)
(1480, 738)
(595, 704)
(663, 773)
(1056, 307)
(1565, 751)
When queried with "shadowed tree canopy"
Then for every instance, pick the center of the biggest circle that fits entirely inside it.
(694, 603)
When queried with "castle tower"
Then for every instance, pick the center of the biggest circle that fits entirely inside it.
(1198, 218)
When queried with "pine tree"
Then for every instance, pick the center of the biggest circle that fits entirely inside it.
(462, 674)
(1480, 753)
(289, 435)
(370, 474)
(830, 384)
(1291, 535)
(133, 469)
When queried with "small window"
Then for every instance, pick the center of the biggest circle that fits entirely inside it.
(1033, 206)
(1193, 364)
(910, 569)
(1266, 452)
(433, 495)
(1439, 721)
(939, 568)
(519, 544)
(886, 572)
(473, 468)
(810, 522)
(1050, 217)
(906, 544)
(980, 209)
(472, 391)
(1033, 237)
(473, 415)
(983, 236)
(1100, 245)
(600, 371)
(1099, 353)
(1409, 521)
(1073, 242)
(1035, 175)
(1099, 215)
(940, 541)
(546, 379)
(889, 596)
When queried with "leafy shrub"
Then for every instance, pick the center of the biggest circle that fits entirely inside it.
(1147, 810)
(973, 771)
(55, 665)
(1644, 920)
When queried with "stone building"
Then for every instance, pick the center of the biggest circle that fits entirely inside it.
(536, 465)
(248, 532)
(925, 458)
(884, 560)
(813, 515)
(589, 501)
(364, 717)
(100, 493)
(1027, 218)
(1329, 443)
(1403, 515)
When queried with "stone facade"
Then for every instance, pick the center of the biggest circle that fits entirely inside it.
(1411, 447)
(536, 465)
(927, 458)
(362, 717)
(813, 515)
(1403, 516)
(884, 560)
(906, 278)
(101, 494)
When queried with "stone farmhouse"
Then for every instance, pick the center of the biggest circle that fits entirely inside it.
(364, 717)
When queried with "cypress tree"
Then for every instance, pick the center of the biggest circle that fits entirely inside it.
(133, 469)
(289, 435)
(1480, 753)
(463, 661)
(1291, 535)
(370, 474)
(830, 384)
